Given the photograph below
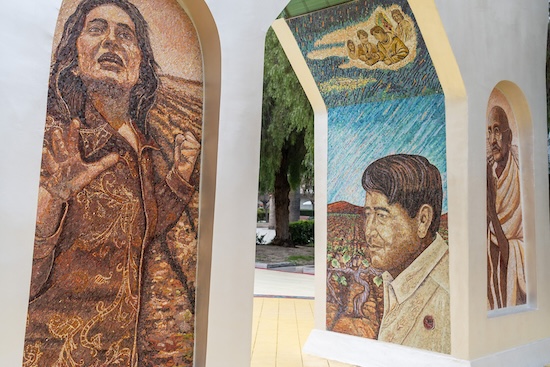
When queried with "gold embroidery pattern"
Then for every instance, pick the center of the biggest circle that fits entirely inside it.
(101, 279)
(123, 297)
(66, 329)
(32, 354)
(102, 196)
(116, 355)
(94, 139)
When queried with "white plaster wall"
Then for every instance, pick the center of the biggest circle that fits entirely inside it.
(26, 30)
(242, 25)
(495, 40)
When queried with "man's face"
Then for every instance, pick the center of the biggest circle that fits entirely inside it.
(397, 17)
(498, 139)
(380, 36)
(108, 48)
(363, 38)
(391, 235)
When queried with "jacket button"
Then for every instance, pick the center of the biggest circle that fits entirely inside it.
(429, 322)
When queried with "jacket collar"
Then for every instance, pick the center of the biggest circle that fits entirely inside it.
(406, 283)
(96, 132)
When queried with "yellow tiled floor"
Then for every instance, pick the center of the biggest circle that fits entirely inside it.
(280, 329)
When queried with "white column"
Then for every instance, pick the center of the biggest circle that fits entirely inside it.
(26, 29)
(242, 25)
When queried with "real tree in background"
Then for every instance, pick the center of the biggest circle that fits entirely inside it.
(287, 135)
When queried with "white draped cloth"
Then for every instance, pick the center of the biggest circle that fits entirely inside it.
(508, 208)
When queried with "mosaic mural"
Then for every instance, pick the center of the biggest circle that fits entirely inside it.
(506, 284)
(387, 251)
(114, 264)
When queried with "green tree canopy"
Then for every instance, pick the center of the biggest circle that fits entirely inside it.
(287, 134)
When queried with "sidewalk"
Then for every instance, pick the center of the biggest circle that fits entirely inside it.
(283, 319)
(279, 330)
(280, 283)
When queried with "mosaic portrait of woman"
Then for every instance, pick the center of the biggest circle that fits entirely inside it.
(113, 277)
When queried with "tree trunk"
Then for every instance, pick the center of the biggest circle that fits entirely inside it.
(271, 212)
(281, 192)
(294, 205)
(310, 195)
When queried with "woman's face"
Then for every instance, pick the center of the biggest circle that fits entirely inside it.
(108, 50)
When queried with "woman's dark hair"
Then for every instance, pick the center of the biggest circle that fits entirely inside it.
(409, 180)
(67, 93)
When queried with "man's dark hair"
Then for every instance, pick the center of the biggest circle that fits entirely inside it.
(396, 11)
(377, 29)
(67, 93)
(409, 180)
